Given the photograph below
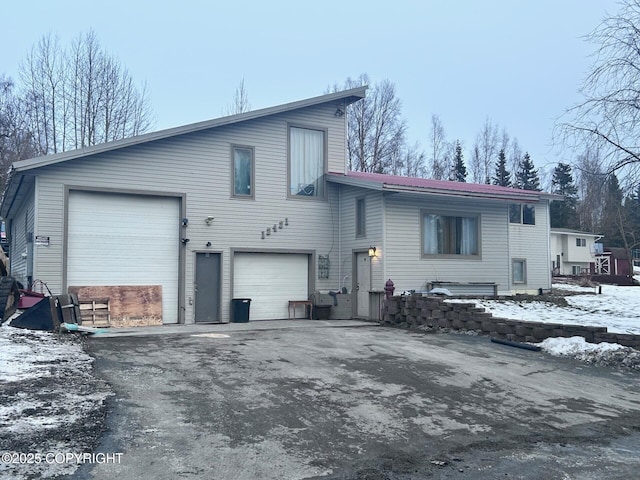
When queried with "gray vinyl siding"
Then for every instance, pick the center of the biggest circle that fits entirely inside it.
(531, 242)
(198, 165)
(373, 232)
(405, 265)
(22, 250)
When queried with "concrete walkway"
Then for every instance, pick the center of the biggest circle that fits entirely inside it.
(224, 328)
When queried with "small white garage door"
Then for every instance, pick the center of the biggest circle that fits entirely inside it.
(116, 239)
(270, 280)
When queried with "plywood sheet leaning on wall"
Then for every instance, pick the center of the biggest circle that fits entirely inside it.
(129, 305)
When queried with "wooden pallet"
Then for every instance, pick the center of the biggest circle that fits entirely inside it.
(95, 312)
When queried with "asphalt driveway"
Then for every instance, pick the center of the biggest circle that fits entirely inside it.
(358, 403)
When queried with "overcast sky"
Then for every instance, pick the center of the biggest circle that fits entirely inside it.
(517, 62)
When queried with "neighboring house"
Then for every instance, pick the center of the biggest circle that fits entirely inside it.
(259, 205)
(574, 252)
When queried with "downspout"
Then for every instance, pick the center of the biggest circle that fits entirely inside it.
(508, 250)
(339, 237)
(549, 276)
(384, 237)
(36, 250)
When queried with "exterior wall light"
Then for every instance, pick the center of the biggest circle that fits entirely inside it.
(372, 251)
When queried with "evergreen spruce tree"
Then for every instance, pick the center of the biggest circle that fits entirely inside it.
(563, 213)
(458, 170)
(613, 213)
(527, 176)
(502, 176)
(632, 212)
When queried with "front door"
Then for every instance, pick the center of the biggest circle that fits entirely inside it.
(363, 283)
(207, 287)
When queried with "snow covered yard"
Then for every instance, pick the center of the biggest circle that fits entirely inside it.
(50, 404)
(617, 308)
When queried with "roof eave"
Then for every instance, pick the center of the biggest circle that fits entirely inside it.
(373, 185)
(516, 197)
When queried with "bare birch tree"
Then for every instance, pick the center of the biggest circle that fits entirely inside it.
(590, 183)
(608, 119)
(410, 161)
(376, 130)
(486, 149)
(438, 161)
(16, 142)
(80, 97)
(240, 102)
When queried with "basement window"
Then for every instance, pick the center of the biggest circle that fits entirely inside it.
(519, 269)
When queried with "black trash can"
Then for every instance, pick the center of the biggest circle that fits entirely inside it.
(240, 310)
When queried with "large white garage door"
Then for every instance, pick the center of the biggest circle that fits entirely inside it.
(116, 239)
(270, 280)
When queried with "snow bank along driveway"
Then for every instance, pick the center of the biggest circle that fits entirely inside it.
(50, 404)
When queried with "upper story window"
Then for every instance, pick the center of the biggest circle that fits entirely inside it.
(581, 242)
(522, 213)
(243, 175)
(306, 162)
(448, 235)
(361, 218)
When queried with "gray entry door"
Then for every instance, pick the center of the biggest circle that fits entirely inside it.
(207, 287)
(363, 285)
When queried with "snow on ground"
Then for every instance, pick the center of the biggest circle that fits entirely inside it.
(49, 403)
(617, 308)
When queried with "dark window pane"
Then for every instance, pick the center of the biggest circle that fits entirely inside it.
(529, 214)
(515, 212)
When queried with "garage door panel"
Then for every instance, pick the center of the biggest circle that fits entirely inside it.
(270, 280)
(118, 239)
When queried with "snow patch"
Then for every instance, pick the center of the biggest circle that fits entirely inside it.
(575, 345)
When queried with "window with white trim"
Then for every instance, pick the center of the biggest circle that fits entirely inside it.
(306, 162)
(581, 242)
(450, 235)
(524, 213)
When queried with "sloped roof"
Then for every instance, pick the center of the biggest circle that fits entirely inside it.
(19, 173)
(574, 232)
(346, 96)
(395, 183)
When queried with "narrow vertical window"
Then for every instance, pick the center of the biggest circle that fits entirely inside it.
(306, 162)
(515, 213)
(361, 218)
(243, 172)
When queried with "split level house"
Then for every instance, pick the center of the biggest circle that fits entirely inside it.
(574, 252)
(260, 205)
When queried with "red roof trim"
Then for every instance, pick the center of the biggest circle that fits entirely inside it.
(441, 186)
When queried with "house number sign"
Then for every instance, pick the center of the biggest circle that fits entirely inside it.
(40, 240)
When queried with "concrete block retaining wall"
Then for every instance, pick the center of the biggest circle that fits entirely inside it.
(414, 311)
